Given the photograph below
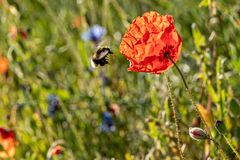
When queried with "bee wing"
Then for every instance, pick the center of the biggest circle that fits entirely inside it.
(103, 54)
(93, 64)
(104, 43)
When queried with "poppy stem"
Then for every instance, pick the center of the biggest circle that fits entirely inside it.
(193, 103)
(179, 71)
(219, 148)
(174, 116)
(189, 92)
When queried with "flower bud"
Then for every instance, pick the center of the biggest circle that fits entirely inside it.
(57, 150)
(54, 151)
(197, 133)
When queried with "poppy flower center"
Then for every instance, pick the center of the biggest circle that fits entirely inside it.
(166, 54)
(168, 51)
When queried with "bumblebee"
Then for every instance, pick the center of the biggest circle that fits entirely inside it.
(100, 57)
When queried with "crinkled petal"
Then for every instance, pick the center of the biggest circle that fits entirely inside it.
(147, 41)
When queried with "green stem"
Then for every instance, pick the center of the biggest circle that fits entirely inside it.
(179, 71)
(231, 146)
(174, 116)
(188, 90)
(219, 148)
(193, 102)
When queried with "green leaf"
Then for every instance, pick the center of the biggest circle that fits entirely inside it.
(199, 39)
(234, 108)
(83, 54)
(63, 94)
(204, 3)
(212, 92)
(153, 129)
(167, 110)
(128, 156)
(235, 63)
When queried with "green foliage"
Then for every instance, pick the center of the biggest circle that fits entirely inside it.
(53, 59)
(234, 108)
(205, 3)
(199, 39)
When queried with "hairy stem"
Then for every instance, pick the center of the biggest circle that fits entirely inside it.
(193, 102)
(219, 148)
(174, 115)
(188, 90)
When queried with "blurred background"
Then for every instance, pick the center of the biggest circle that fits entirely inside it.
(59, 107)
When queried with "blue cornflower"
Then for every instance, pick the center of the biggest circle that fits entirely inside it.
(107, 119)
(94, 33)
(53, 104)
(105, 128)
(107, 124)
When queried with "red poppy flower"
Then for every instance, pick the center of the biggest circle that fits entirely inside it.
(57, 150)
(23, 34)
(3, 65)
(148, 40)
(8, 143)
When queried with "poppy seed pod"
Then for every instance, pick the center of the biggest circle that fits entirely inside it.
(149, 41)
(197, 133)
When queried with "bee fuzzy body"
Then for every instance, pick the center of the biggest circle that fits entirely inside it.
(100, 57)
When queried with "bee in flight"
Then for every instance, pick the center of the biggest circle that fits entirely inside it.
(100, 56)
